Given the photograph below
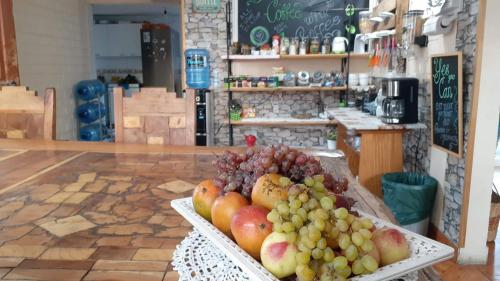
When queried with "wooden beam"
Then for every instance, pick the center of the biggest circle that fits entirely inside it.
(472, 123)
(49, 115)
(9, 69)
(118, 110)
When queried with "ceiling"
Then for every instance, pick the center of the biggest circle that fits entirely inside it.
(153, 9)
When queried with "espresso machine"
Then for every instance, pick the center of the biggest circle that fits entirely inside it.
(400, 105)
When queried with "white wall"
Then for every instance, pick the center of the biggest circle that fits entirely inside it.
(53, 51)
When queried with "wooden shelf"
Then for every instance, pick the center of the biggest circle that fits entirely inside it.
(287, 89)
(283, 123)
(293, 57)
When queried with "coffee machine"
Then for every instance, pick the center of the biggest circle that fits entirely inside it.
(400, 105)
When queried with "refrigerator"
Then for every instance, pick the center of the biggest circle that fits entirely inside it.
(157, 59)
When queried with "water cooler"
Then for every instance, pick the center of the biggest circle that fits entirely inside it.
(204, 121)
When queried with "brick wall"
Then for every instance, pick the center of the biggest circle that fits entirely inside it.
(53, 50)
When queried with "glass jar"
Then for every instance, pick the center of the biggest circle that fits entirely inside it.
(303, 46)
(412, 26)
(294, 46)
(314, 47)
(365, 26)
(326, 48)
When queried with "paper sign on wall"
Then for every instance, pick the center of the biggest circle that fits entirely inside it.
(206, 6)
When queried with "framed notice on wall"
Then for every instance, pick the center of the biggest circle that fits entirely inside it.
(447, 103)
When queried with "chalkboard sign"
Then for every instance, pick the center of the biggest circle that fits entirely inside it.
(447, 113)
(258, 20)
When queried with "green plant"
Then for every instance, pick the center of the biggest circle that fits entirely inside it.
(332, 135)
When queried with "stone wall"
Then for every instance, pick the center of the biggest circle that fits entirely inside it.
(454, 174)
(208, 31)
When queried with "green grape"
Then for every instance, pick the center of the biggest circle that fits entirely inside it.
(309, 181)
(341, 213)
(284, 181)
(334, 232)
(344, 272)
(297, 221)
(322, 214)
(326, 203)
(321, 244)
(294, 190)
(302, 213)
(288, 227)
(314, 234)
(310, 244)
(319, 224)
(283, 209)
(342, 225)
(357, 267)
(303, 231)
(367, 234)
(329, 255)
(291, 197)
(339, 262)
(311, 215)
(303, 247)
(279, 202)
(351, 253)
(317, 254)
(357, 239)
(312, 203)
(319, 186)
(367, 223)
(303, 258)
(273, 216)
(304, 197)
(319, 178)
(344, 241)
(293, 211)
(326, 276)
(304, 272)
(291, 237)
(367, 246)
(369, 263)
(356, 225)
(350, 218)
(296, 203)
(328, 227)
(278, 227)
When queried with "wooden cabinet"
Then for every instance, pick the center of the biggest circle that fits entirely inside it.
(117, 40)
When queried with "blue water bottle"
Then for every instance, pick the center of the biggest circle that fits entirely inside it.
(90, 89)
(90, 133)
(90, 112)
(197, 68)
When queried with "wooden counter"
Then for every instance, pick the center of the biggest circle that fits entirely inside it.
(380, 146)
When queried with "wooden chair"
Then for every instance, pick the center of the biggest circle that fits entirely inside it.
(154, 116)
(23, 114)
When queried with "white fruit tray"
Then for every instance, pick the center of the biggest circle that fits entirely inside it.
(424, 251)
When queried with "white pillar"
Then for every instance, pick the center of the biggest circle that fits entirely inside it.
(483, 161)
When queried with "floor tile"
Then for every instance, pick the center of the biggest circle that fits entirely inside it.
(175, 232)
(46, 274)
(28, 251)
(74, 187)
(116, 178)
(103, 218)
(77, 198)
(171, 276)
(29, 214)
(64, 211)
(63, 227)
(77, 240)
(147, 242)
(119, 187)
(96, 186)
(56, 264)
(67, 253)
(153, 255)
(130, 265)
(14, 232)
(127, 229)
(156, 219)
(113, 253)
(4, 271)
(88, 177)
(121, 241)
(123, 276)
(177, 186)
(10, 208)
(59, 197)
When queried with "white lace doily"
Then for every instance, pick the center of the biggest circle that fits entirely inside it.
(196, 259)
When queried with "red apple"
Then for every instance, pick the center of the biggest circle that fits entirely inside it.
(278, 255)
(224, 209)
(250, 227)
(391, 244)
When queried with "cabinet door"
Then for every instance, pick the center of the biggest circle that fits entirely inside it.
(125, 39)
(101, 40)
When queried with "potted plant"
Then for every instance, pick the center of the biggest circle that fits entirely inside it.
(331, 140)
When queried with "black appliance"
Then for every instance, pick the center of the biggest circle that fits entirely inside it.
(157, 61)
(204, 131)
(400, 105)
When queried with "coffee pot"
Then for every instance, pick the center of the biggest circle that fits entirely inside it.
(340, 45)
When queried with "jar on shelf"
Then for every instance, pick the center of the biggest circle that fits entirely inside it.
(276, 45)
(365, 26)
(294, 46)
(285, 45)
(326, 48)
(314, 47)
(303, 46)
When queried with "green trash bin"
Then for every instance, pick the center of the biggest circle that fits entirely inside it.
(410, 196)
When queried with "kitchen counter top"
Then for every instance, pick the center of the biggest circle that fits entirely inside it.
(354, 119)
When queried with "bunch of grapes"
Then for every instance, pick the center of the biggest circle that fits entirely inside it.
(333, 244)
(239, 173)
